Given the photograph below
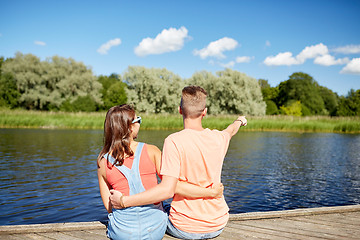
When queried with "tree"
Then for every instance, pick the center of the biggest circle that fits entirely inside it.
(81, 104)
(263, 83)
(271, 108)
(230, 92)
(1, 62)
(9, 95)
(115, 95)
(270, 94)
(330, 100)
(293, 108)
(113, 90)
(349, 105)
(153, 90)
(302, 87)
(106, 82)
(47, 84)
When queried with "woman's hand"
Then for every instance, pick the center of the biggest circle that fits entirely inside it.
(217, 190)
(116, 199)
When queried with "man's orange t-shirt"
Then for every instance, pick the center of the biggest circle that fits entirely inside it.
(196, 157)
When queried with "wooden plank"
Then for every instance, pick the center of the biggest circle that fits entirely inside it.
(239, 232)
(349, 231)
(332, 222)
(34, 236)
(262, 232)
(348, 218)
(228, 234)
(278, 227)
(29, 236)
(326, 231)
(222, 237)
(12, 237)
(294, 212)
(86, 235)
(320, 223)
(285, 227)
(69, 226)
(59, 236)
(101, 232)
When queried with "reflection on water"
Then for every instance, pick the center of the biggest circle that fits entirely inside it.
(50, 175)
(275, 171)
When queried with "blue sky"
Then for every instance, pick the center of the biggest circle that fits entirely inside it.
(261, 38)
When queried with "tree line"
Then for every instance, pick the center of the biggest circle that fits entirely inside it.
(63, 84)
(301, 95)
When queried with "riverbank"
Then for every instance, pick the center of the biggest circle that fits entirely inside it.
(313, 223)
(95, 120)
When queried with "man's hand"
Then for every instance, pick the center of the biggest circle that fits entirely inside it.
(217, 190)
(243, 120)
(115, 199)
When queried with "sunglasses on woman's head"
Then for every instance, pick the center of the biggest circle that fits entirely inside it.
(138, 119)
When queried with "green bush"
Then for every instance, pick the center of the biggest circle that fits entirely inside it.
(271, 108)
(81, 104)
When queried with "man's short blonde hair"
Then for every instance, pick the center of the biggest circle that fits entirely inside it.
(193, 101)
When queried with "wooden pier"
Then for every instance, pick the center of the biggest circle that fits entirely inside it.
(313, 223)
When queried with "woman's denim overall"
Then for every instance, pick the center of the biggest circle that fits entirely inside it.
(142, 222)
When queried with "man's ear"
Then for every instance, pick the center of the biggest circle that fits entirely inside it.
(204, 112)
(180, 111)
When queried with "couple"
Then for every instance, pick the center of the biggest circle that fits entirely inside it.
(189, 166)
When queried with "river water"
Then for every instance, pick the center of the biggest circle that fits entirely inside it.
(50, 176)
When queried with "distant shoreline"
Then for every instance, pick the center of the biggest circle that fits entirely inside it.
(95, 120)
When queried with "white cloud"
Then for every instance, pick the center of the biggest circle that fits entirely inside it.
(319, 52)
(103, 49)
(169, 40)
(349, 49)
(328, 60)
(285, 58)
(216, 48)
(353, 67)
(40, 43)
(312, 52)
(243, 59)
(228, 65)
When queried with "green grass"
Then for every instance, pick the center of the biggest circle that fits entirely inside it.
(37, 119)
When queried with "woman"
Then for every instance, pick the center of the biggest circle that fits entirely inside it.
(131, 167)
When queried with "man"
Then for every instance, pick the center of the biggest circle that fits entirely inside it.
(194, 155)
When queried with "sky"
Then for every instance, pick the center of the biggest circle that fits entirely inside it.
(263, 39)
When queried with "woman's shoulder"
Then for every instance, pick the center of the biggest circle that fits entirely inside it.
(101, 160)
(102, 166)
(152, 148)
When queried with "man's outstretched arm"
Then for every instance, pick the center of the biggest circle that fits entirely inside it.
(160, 192)
(233, 128)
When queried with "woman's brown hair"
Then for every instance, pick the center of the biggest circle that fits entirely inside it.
(117, 133)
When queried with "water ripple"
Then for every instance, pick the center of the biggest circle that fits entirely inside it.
(50, 175)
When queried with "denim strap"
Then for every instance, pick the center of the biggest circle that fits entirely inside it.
(132, 175)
